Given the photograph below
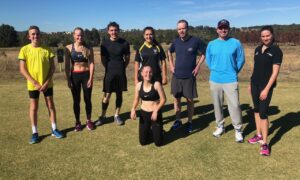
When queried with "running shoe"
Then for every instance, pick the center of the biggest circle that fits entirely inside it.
(189, 127)
(119, 121)
(218, 132)
(34, 138)
(57, 134)
(264, 150)
(100, 121)
(89, 125)
(239, 136)
(176, 125)
(255, 139)
(78, 127)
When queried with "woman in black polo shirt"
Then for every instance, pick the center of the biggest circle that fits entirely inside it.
(267, 61)
(150, 53)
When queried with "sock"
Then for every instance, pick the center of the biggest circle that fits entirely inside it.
(53, 125)
(34, 129)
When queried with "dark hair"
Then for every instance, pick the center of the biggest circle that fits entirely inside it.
(33, 27)
(113, 24)
(183, 21)
(78, 28)
(149, 28)
(153, 32)
(268, 28)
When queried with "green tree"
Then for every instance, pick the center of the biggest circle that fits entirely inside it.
(8, 36)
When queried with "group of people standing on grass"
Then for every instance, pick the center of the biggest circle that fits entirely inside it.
(224, 58)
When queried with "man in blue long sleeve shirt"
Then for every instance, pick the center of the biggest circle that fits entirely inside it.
(225, 58)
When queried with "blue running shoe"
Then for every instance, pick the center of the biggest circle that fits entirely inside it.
(57, 134)
(176, 125)
(189, 127)
(34, 138)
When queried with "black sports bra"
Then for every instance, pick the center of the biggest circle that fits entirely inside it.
(77, 56)
(152, 95)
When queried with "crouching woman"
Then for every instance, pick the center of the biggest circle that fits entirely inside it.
(152, 98)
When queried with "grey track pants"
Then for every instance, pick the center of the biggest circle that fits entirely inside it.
(231, 91)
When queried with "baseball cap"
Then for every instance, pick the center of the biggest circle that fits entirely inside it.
(223, 23)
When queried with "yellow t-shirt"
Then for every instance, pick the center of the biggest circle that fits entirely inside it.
(37, 62)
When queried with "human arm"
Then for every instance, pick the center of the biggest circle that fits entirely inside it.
(68, 66)
(127, 54)
(200, 60)
(25, 73)
(135, 101)
(136, 72)
(208, 56)
(162, 100)
(240, 57)
(104, 54)
(126, 59)
(171, 62)
(91, 68)
(49, 76)
(164, 72)
(265, 91)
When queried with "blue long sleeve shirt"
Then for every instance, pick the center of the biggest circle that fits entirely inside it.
(225, 59)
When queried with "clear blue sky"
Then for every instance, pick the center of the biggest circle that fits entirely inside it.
(65, 15)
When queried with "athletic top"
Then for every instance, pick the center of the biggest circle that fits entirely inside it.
(224, 59)
(113, 51)
(152, 95)
(77, 56)
(186, 55)
(150, 55)
(37, 62)
(263, 64)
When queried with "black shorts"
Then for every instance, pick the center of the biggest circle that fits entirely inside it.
(35, 94)
(260, 106)
(114, 83)
(184, 88)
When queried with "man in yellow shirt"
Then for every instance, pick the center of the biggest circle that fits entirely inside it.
(37, 66)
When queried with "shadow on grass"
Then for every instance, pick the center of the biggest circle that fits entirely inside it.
(205, 117)
(284, 124)
(249, 118)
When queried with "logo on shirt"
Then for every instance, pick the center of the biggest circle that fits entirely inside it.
(256, 53)
(155, 51)
(190, 49)
(270, 54)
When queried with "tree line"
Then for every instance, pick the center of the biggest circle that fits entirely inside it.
(288, 34)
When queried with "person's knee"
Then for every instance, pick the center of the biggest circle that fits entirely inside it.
(50, 104)
(158, 142)
(263, 115)
(33, 107)
(143, 141)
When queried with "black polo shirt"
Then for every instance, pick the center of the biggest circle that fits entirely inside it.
(151, 55)
(113, 51)
(263, 64)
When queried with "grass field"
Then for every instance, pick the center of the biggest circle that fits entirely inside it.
(113, 152)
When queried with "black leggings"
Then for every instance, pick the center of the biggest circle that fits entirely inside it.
(79, 79)
(146, 125)
(260, 106)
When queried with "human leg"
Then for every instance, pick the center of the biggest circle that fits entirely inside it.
(157, 129)
(218, 99)
(232, 94)
(144, 127)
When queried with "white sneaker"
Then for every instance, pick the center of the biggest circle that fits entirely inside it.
(239, 136)
(218, 132)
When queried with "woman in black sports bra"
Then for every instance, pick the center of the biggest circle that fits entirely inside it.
(152, 98)
(79, 68)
